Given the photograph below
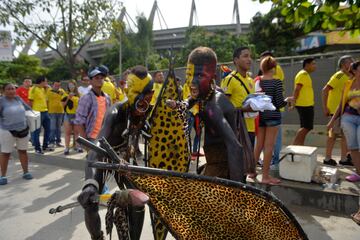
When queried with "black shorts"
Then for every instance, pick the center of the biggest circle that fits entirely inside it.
(306, 115)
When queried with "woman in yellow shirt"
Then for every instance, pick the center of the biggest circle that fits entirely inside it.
(70, 102)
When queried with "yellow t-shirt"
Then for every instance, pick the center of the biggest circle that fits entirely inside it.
(156, 88)
(120, 94)
(279, 73)
(110, 90)
(71, 109)
(336, 82)
(54, 101)
(306, 94)
(237, 93)
(38, 97)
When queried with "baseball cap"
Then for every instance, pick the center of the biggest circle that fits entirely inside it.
(104, 69)
(95, 71)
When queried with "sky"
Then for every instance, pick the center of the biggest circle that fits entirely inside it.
(177, 12)
(209, 12)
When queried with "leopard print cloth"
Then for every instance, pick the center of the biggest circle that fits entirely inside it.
(117, 215)
(199, 207)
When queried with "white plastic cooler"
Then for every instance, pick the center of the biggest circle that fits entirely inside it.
(299, 164)
(33, 119)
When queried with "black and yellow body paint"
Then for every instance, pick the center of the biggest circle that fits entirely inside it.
(168, 148)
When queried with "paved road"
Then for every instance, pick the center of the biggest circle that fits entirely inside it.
(24, 207)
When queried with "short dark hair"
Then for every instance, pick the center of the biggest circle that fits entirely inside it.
(308, 61)
(202, 55)
(237, 52)
(354, 66)
(6, 84)
(156, 73)
(139, 71)
(40, 79)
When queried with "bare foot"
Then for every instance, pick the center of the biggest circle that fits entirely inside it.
(356, 217)
(252, 175)
(271, 181)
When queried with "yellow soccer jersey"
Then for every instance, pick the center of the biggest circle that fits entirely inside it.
(54, 101)
(237, 93)
(156, 88)
(38, 97)
(336, 82)
(306, 94)
(110, 90)
(279, 73)
(120, 94)
(71, 108)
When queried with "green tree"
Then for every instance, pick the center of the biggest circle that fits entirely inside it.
(321, 14)
(221, 41)
(58, 70)
(64, 26)
(272, 32)
(136, 47)
(20, 67)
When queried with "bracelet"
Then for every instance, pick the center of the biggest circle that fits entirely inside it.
(90, 182)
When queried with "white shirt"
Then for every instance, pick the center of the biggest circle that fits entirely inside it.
(84, 90)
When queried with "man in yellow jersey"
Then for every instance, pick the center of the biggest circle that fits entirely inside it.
(56, 113)
(238, 85)
(304, 100)
(279, 74)
(38, 102)
(158, 77)
(331, 96)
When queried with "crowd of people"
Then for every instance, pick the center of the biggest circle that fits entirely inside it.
(81, 110)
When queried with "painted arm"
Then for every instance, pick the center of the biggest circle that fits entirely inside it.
(215, 112)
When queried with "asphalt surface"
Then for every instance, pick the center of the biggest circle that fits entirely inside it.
(24, 206)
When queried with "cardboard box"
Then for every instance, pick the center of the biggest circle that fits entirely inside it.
(299, 163)
(33, 119)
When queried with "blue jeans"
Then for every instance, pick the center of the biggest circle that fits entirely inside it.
(278, 144)
(350, 124)
(195, 146)
(45, 123)
(56, 120)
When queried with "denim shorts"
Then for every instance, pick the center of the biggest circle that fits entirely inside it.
(350, 125)
(269, 123)
(69, 118)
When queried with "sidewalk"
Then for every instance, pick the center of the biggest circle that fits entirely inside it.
(344, 199)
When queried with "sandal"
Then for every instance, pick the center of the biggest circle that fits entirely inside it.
(353, 178)
(355, 219)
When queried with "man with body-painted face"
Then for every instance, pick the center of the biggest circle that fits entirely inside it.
(222, 150)
(119, 121)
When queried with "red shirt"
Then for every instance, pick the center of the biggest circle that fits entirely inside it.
(23, 93)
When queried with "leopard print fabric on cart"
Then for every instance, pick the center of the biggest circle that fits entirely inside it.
(204, 209)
